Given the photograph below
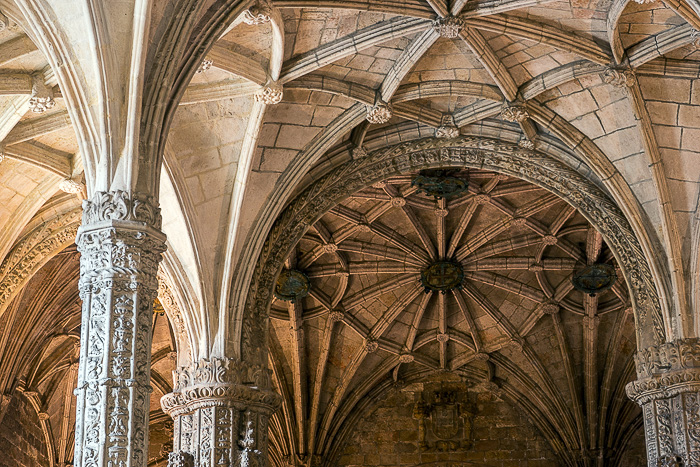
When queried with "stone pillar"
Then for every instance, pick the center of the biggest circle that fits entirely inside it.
(120, 245)
(221, 408)
(668, 390)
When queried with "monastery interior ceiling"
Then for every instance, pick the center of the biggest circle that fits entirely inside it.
(399, 233)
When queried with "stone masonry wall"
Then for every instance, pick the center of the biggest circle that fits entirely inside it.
(501, 436)
(21, 439)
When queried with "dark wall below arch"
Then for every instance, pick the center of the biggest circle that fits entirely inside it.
(22, 442)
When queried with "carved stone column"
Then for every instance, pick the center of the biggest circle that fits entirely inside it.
(668, 390)
(120, 245)
(221, 408)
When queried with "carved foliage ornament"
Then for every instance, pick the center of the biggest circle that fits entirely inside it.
(448, 27)
(121, 206)
(271, 93)
(514, 113)
(466, 151)
(379, 113)
(619, 77)
(260, 13)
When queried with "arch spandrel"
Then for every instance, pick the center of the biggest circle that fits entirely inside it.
(472, 152)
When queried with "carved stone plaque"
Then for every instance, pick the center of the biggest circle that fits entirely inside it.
(445, 419)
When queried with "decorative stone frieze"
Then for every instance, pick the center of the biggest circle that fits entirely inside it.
(668, 390)
(448, 27)
(619, 77)
(120, 245)
(260, 13)
(514, 113)
(271, 93)
(379, 113)
(205, 65)
(42, 96)
(221, 408)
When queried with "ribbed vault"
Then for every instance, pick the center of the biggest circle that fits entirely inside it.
(514, 325)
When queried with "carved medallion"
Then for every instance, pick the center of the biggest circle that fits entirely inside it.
(594, 279)
(442, 276)
(292, 285)
(440, 183)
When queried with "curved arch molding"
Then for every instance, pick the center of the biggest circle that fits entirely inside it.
(473, 152)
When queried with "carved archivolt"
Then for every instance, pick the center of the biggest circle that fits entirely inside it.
(473, 152)
(32, 252)
(172, 309)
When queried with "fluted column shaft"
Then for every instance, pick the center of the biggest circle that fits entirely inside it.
(668, 390)
(120, 245)
(221, 408)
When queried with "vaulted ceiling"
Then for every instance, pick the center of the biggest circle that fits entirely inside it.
(514, 325)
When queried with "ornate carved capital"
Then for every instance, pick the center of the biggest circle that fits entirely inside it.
(668, 390)
(121, 206)
(219, 381)
(221, 408)
(448, 27)
(379, 113)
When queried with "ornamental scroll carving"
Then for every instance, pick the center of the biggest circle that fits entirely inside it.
(465, 151)
(221, 408)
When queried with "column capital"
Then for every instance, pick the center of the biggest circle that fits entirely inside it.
(221, 408)
(668, 390)
(121, 206)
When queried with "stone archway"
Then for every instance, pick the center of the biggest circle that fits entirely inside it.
(472, 152)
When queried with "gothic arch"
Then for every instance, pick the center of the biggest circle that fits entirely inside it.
(472, 152)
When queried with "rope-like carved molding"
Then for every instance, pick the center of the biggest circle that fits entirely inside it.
(32, 252)
(474, 152)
